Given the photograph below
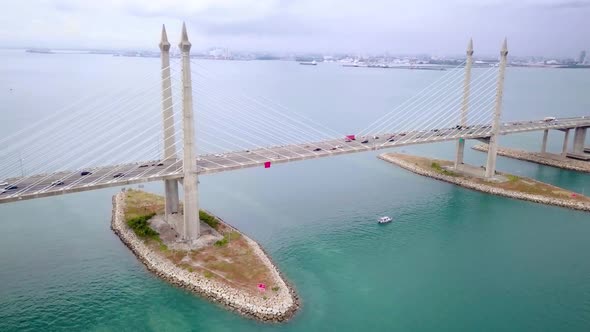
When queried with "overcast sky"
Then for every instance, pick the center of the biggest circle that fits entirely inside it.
(438, 27)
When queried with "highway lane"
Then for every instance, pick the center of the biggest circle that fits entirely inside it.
(103, 177)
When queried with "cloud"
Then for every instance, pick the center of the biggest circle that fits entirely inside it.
(432, 26)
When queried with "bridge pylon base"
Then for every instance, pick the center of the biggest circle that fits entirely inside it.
(172, 198)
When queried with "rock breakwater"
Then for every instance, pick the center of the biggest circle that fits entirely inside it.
(487, 188)
(276, 306)
(540, 158)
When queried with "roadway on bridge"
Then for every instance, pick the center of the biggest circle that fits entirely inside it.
(118, 175)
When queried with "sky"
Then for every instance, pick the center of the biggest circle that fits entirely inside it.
(558, 28)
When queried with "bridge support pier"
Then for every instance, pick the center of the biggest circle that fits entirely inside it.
(493, 145)
(170, 186)
(579, 141)
(566, 136)
(460, 153)
(545, 136)
(191, 223)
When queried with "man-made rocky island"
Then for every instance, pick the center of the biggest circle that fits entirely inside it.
(502, 184)
(549, 159)
(225, 265)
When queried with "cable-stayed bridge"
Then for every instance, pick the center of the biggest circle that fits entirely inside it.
(131, 138)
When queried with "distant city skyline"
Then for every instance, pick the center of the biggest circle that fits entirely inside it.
(550, 28)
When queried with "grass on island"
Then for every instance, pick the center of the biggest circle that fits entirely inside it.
(515, 183)
(229, 260)
(436, 167)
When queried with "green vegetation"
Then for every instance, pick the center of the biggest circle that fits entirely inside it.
(140, 203)
(141, 227)
(512, 178)
(163, 247)
(208, 219)
(275, 288)
(208, 274)
(226, 238)
(436, 166)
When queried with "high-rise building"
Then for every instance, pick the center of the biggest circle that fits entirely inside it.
(582, 57)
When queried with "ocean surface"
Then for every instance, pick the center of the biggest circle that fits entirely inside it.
(452, 260)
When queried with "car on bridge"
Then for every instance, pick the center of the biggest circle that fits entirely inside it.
(365, 141)
(84, 173)
(57, 183)
(317, 149)
(7, 188)
(119, 175)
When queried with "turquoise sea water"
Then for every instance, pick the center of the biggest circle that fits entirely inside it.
(454, 260)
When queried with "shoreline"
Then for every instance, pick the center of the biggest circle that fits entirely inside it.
(279, 307)
(486, 188)
(539, 158)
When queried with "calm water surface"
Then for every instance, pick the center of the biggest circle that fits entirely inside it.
(454, 260)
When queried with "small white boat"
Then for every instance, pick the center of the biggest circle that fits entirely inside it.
(384, 220)
(309, 63)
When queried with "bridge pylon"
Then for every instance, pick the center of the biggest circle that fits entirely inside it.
(191, 227)
(170, 186)
(465, 106)
(493, 144)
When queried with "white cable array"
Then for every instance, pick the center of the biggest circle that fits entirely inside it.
(80, 179)
(437, 97)
(266, 106)
(87, 122)
(427, 133)
(442, 106)
(435, 120)
(121, 121)
(269, 127)
(92, 152)
(445, 78)
(116, 170)
(52, 127)
(83, 101)
(271, 120)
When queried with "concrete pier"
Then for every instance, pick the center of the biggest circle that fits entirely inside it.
(566, 136)
(578, 147)
(493, 149)
(190, 230)
(544, 144)
(464, 108)
(170, 186)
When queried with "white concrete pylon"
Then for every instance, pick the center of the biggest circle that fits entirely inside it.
(191, 227)
(170, 186)
(465, 106)
(493, 145)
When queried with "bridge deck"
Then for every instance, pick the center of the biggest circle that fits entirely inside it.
(102, 177)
